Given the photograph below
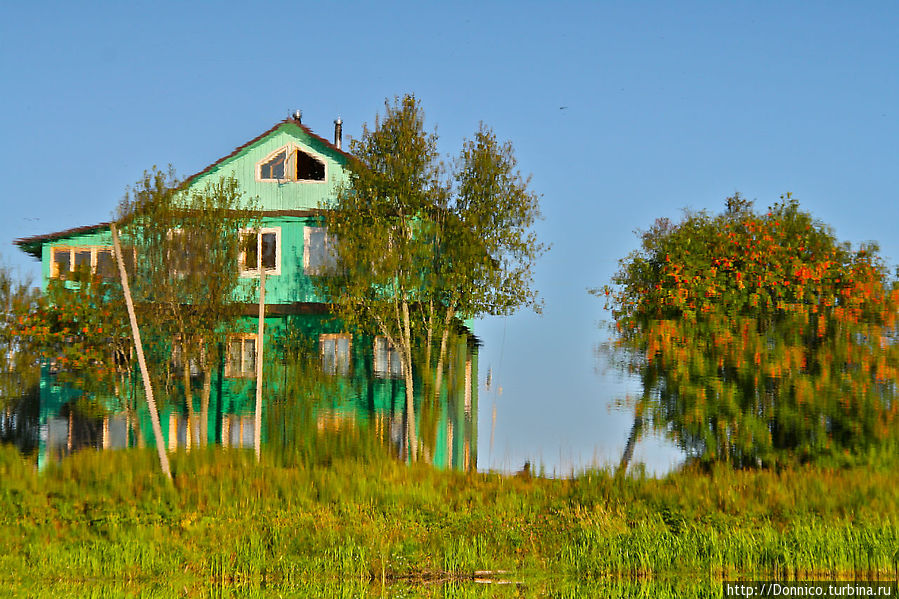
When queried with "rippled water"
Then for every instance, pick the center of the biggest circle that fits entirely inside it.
(515, 586)
(56, 417)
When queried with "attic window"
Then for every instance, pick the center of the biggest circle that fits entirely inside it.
(308, 168)
(291, 164)
(274, 167)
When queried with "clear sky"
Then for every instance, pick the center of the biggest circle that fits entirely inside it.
(622, 112)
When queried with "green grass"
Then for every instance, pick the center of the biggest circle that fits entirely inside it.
(109, 518)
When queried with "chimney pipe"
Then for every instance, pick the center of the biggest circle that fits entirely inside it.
(338, 132)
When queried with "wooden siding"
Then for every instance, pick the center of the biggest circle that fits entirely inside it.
(272, 195)
(290, 286)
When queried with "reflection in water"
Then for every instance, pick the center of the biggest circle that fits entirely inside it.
(687, 588)
(335, 387)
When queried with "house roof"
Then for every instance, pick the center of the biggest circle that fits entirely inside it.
(239, 149)
(32, 245)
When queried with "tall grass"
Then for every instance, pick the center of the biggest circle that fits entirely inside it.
(230, 523)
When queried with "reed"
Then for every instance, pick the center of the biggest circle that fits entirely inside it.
(363, 523)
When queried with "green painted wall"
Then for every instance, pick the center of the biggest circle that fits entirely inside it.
(446, 428)
(99, 237)
(449, 426)
(281, 196)
(291, 285)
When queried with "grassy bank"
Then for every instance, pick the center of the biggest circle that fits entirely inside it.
(110, 517)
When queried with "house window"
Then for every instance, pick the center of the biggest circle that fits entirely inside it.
(105, 264)
(94, 259)
(62, 263)
(291, 163)
(83, 259)
(238, 431)
(319, 253)
(274, 167)
(264, 242)
(241, 359)
(309, 168)
(182, 248)
(388, 361)
(335, 350)
(178, 359)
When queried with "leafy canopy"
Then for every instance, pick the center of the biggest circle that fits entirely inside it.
(759, 337)
(417, 248)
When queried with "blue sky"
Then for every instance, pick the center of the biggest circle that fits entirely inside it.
(622, 112)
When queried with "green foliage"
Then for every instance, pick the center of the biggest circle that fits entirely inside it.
(107, 518)
(186, 244)
(416, 249)
(759, 338)
(486, 259)
(18, 360)
(378, 221)
(79, 329)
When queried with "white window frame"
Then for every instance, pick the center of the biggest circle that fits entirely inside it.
(242, 373)
(72, 249)
(177, 359)
(290, 167)
(307, 233)
(243, 425)
(254, 272)
(386, 372)
(336, 336)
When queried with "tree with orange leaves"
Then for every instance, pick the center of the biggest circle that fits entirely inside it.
(759, 338)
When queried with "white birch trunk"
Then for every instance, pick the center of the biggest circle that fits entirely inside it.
(260, 336)
(138, 346)
(410, 391)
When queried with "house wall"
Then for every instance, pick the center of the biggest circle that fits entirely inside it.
(291, 285)
(100, 237)
(273, 195)
(447, 428)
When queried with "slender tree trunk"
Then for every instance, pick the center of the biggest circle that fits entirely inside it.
(188, 395)
(636, 431)
(430, 335)
(450, 312)
(260, 337)
(204, 403)
(410, 391)
(135, 331)
(131, 407)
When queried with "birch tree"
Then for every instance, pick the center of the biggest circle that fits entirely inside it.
(417, 249)
(485, 247)
(394, 179)
(187, 243)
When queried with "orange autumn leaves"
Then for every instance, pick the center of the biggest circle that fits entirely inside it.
(73, 328)
(759, 337)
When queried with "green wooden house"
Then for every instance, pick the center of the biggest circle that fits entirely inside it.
(292, 172)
